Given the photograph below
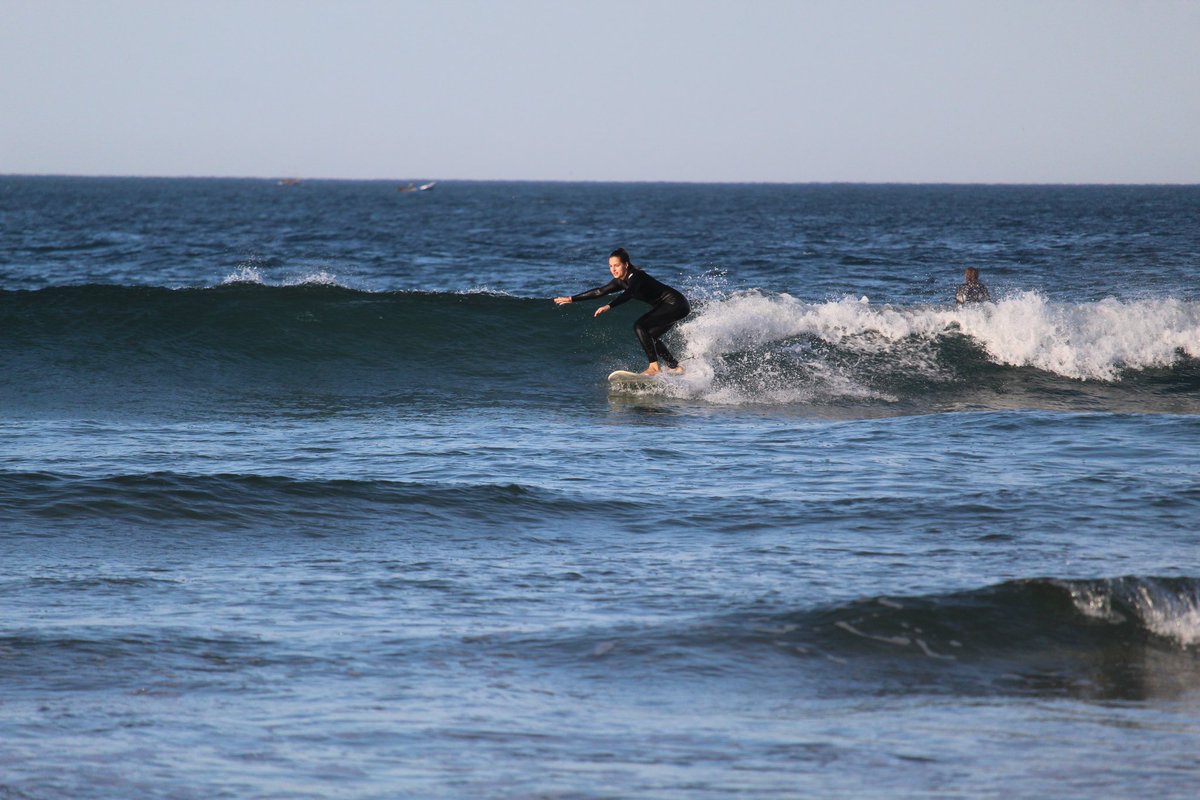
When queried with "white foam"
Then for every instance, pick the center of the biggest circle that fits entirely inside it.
(1168, 614)
(1084, 341)
(1087, 341)
(748, 322)
(1171, 614)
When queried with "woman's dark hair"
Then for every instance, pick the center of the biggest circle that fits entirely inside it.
(621, 254)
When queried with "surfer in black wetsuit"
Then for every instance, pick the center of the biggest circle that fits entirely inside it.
(668, 306)
(972, 291)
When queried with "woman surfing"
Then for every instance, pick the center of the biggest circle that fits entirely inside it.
(667, 306)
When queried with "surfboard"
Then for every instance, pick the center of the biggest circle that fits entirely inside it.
(624, 376)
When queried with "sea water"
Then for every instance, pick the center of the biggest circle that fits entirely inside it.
(310, 491)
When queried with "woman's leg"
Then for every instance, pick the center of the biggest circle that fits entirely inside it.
(653, 324)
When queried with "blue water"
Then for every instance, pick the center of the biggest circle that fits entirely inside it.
(310, 491)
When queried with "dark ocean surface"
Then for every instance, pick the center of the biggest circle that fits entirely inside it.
(312, 492)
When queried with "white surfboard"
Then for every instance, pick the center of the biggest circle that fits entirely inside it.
(625, 378)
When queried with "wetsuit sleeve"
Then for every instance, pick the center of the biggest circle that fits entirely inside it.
(599, 291)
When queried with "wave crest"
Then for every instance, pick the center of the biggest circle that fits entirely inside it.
(1084, 341)
(1168, 609)
(1024, 350)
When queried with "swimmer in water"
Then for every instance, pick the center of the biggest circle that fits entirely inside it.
(972, 291)
(667, 306)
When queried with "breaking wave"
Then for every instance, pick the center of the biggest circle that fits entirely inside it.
(1130, 637)
(244, 338)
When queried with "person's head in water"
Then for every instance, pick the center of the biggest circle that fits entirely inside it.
(972, 275)
(618, 263)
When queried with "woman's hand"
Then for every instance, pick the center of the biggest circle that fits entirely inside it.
(600, 311)
(562, 301)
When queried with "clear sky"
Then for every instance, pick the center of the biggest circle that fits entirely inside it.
(1010, 91)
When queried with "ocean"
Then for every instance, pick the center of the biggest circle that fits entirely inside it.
(310, 491)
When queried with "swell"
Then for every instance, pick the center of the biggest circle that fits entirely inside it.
(252, 500)
(127, 347)
(117, 346)
(1128, 637)
(276, 324)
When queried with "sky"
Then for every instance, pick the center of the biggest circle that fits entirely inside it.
(926, 91)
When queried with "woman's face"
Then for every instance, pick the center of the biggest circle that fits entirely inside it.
(618, 268)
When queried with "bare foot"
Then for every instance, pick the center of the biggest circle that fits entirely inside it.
(676, 370)
(651, 371)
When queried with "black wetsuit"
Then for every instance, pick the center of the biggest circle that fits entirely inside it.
(974, 292)
(668, 307)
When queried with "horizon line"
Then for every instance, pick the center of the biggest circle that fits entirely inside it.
(609, 181)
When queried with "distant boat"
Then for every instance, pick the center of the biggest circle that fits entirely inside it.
(425, 187)
(412, 187)
(289, 182)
